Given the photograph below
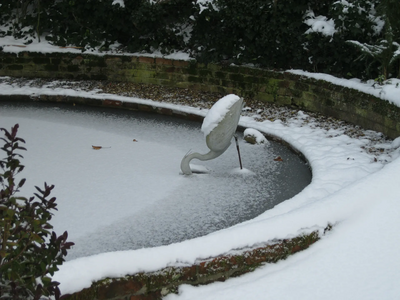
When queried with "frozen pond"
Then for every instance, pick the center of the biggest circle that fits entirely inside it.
(131, 195)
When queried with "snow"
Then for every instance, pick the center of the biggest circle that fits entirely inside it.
(258, 136)
(120, 2)
(319, 24)
(389, 91)
(396, 143)
(203, 4)
(396, 54)
(242, 172)
(12, 45)
(358, 259)
(218, 112)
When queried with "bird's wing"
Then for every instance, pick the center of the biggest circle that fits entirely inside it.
(220, 137)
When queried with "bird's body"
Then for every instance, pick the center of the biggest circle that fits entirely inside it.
(223, 128)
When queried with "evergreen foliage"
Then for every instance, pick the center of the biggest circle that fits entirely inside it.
(332, 54)
(384, 49)
(266, 33)
(261, 32)
(29, 251)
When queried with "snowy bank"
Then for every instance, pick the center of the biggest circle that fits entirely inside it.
(389, 91)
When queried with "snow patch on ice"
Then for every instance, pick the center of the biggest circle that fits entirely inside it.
(258, 136)
(243, 171)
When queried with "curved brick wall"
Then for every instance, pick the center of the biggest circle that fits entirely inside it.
(281, 88)
(155, 285)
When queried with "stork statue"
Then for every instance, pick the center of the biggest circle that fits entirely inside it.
(219, 127)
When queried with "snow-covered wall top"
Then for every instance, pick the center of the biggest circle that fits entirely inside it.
(374, 108)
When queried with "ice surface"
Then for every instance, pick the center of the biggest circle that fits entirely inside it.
(131, 195)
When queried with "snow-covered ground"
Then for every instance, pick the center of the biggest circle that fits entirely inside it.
(358, 259)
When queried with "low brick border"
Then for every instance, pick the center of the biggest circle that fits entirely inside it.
(155, 285)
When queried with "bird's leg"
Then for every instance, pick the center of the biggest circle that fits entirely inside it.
(238, 150)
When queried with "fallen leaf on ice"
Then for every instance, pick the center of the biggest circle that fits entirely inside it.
(278, 159)
(98, 147)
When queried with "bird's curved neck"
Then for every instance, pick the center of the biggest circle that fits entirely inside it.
(185, 163)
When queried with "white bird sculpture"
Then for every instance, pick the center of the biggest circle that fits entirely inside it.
(219, 126)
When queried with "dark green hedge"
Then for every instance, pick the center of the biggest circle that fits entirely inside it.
(266, 33)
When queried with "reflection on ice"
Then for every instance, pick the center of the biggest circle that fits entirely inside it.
(131, 195)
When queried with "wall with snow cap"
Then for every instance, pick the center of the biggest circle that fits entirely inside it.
(156, 285)
(281, 88)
